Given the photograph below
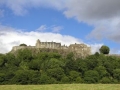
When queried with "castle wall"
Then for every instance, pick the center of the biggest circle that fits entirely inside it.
(48, 45)
(15, 48)
(80, 50)
(64, 47)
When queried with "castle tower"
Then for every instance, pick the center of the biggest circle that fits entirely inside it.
(38, 43)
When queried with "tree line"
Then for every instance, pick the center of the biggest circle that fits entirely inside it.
(28, 67)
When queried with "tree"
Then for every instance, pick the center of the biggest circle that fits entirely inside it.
(105, 80)
(35, 65)
(70, 55)
(91, 61)
(56, 73)
(45, 79)
(2, 75)
(73, 75)
(116, 74)
(104, 49)
(91, 76)
(2, 60)
(53, 63)
(96, 54)
(23, 77)
(82, 65)
(23, 44)
(65, 79)
(102, 71)
(11, 60)
(25, 55)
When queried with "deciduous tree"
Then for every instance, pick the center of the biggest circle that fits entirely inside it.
(104, 49)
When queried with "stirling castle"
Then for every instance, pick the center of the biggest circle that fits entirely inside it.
(80, 50)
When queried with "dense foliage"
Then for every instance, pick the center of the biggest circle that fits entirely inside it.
(104, 49)
(28, 67)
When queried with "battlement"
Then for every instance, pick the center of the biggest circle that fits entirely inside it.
(81, 50)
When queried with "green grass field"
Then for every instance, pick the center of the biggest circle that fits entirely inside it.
(62, 87)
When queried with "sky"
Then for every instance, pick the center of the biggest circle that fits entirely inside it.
(93, 22)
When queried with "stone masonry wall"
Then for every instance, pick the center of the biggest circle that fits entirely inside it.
(80, 50)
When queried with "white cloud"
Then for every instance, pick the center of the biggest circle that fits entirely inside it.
(107, 29)
(10, 37)
(56, 28)
(20, 7)
(92, 10)
(104, 15)
(95, 47)
(53, 28)
(115, 51)
(42, 28)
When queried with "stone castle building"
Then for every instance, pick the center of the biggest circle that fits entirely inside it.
(80, 50)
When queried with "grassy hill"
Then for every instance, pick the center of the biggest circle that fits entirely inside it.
(62, 87)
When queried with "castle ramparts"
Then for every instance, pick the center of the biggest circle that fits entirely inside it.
(81, 50)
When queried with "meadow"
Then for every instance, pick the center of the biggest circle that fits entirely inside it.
(62, 87)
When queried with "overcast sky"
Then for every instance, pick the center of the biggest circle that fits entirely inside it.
(93, 22)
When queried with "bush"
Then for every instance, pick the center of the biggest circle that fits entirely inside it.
(105, 80)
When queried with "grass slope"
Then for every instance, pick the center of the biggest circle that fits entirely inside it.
(62, 87)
